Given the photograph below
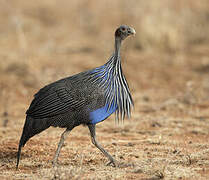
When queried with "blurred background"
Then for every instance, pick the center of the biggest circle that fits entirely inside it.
(166, 63)
(43, 41)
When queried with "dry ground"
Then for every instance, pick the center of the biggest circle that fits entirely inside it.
(166, 65)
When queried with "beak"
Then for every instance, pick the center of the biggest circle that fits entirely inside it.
(131, 31)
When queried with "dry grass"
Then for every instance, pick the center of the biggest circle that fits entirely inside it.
(167, 67)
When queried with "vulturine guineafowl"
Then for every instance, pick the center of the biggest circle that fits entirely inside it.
(85, 98)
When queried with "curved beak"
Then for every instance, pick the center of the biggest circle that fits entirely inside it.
(131, 31)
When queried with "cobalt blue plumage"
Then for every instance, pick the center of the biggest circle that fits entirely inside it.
(85, 98)
(102, 113)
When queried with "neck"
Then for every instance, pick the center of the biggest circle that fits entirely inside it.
(115, 58)
(117, 46)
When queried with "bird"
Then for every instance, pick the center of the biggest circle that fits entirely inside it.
(86, 98)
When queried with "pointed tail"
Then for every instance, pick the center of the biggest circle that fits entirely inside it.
(18, 156)
(32, 127)
(24, 138)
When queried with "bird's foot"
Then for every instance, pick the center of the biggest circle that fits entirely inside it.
(54, 163)
(113, 162)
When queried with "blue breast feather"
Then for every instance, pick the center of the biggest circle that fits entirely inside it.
(102, 113)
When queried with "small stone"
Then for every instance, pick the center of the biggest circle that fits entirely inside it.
(175, 151)
(138, 171)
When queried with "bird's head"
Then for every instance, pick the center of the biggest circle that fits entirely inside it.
(124, 31)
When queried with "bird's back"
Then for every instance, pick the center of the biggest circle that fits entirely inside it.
(77, 95)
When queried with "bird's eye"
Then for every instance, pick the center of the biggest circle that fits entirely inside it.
(123, 29)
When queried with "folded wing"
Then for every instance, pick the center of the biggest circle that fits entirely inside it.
(53, 100)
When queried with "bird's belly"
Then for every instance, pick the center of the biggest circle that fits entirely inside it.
(102, 113)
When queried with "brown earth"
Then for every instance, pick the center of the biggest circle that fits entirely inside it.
(166, 65)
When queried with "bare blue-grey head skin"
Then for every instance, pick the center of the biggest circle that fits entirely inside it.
(120, 34)
(123, 32)
(86, 98)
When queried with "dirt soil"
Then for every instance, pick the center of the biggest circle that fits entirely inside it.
(167, 135)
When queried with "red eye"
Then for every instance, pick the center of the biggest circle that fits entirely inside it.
(123, 29)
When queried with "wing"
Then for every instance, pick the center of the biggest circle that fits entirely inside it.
(53, 100)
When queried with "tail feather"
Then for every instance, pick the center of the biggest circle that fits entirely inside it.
(18, 156)
(32, 127)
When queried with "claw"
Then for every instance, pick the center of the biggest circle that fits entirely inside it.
(54, 163)
(113, 162)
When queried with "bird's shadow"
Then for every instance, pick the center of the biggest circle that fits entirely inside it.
(8, 160)
(8, 152)
(8, 156)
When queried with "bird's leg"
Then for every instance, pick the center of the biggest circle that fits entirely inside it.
(94, 141)
(62, 139)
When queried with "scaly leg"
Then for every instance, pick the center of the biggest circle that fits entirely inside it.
(94, 141)
(62, 139)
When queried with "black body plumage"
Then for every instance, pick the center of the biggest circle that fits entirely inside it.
(85, 98)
